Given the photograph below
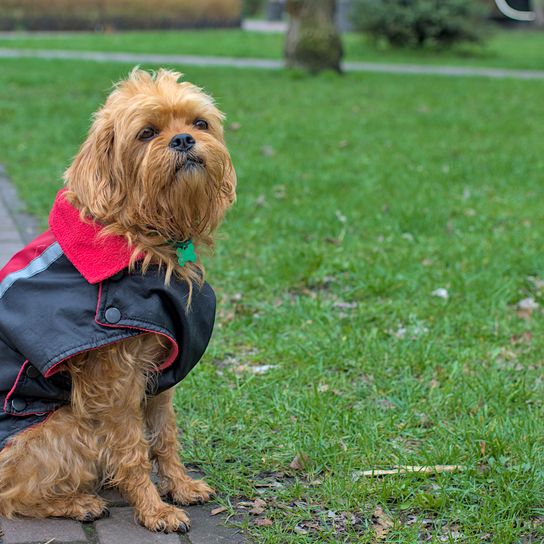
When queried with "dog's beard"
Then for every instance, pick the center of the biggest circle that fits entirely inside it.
(189, 162)
(181, 195)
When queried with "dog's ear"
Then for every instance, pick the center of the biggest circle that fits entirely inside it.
(228, 186)
(91, 175)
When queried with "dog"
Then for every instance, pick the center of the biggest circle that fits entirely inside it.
(105, 312)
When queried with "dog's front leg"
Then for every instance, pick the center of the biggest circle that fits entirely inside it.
(110, 388)
(162, 430)
(129, 467)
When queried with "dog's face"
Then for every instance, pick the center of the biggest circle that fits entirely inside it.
(155, 160)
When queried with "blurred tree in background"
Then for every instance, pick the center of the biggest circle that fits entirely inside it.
(312, 40)
(420, 23)
(538, 7)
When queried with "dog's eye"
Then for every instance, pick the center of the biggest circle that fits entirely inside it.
(147, 133)
(201, 124)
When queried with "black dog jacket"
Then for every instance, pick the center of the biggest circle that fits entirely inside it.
(69, 291)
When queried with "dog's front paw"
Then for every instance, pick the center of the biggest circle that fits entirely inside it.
(187, 492)
(85, 508)
(168, 519)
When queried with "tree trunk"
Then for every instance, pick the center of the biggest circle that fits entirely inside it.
(538, 7)
(312, 40)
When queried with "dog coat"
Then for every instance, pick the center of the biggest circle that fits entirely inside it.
(69, 291)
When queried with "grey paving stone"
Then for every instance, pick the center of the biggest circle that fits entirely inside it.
(120, 528)
(113, 497)
(27, 226)
(208, 529)
(7, 250)
(8, 235)
(22, 531)
(10, 239)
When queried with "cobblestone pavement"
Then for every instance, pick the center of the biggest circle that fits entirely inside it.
(120, 527)
(269, 64)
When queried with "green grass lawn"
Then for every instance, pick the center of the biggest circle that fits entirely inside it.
(372, 192)
(507, 49)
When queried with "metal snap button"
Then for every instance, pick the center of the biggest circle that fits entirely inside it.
(18, 405)
(113, 315)
(32, 372)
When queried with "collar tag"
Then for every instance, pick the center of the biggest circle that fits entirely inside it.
(185, 252)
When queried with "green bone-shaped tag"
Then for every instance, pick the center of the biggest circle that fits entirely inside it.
(185, 252)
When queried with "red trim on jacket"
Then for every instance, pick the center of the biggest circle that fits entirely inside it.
(24, 257)
(12, 390)
(96, 257)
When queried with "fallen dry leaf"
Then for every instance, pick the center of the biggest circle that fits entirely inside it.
(526, 307)
(254, 369)
(263, 522)
(259, 506)
(344, 305)
(434, 469)
(523, 338)
(411, 332)
(381, 522)
(218, 510)
(268, 484)
(299, 462)
(340, 216)
(280, 191)
(537, 282)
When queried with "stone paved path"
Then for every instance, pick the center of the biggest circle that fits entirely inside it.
(11, 239)
(267, 27)
(268, 64)
(119, 528)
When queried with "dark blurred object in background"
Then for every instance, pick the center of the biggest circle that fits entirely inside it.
(312, 41)
(118, 14)
(252, 8)
(275, 9)
(421, 23)
(520, 11)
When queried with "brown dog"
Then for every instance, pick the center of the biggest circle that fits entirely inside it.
(154, 169)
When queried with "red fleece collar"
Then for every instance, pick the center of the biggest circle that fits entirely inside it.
(95, 257)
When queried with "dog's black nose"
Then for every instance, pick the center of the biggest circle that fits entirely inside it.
(182, 142)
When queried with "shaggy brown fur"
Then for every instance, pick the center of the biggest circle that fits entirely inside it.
(143, 190)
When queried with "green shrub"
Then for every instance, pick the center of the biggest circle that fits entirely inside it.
(117, 14)
(420, 23)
